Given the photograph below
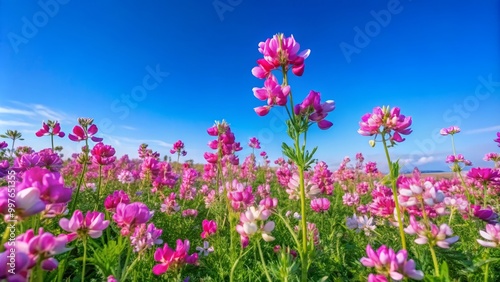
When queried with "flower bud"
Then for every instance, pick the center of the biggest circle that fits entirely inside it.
(372, 143)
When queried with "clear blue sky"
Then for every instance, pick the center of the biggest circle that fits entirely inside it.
(437, 60)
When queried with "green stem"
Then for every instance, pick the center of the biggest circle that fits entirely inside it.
(126, 262)
(99, 186)
(5, 237)
(84, 170)
(124, 278)
(84, 258)
(394, 193)
(453, 145)
(451, 216)
(263, 261)
(304, 225)
(486, 271)
(434, 260)
(485, 195)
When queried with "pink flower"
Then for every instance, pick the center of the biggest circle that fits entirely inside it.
(280, 51)
(46, 129)
(145, 237)
(273, 93)
(50, 184)
(170, 205)
(189, 212)
(486, 215)
(439, 236)
(498, 139)
(103, 154)
(384, 120)
(178, 148)
(173, 259)
(484, 175)
(450, 130)
(387, 263)
(492, 234)
(42, 247)
(3, 145)
(128, 216)
(211, 157)
(315, 110)
(209, 227)
(26, 202)
(112, 201)
(80, 134)
(320, 204)
(254, 143)
(93, 224)
(251, 224)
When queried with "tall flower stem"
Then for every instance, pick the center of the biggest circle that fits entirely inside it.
(99, 185)
(84, 170)
(453, 145)
(485, 195)
(434, 260)
(84, 258)
(263, 261)
(52, 141)
(394, 193)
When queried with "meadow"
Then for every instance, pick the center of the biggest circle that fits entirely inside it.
(97, 216)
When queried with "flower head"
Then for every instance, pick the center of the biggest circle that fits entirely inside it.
(450, 130)
(492, 234)
(84, 132)
(92, 224)
(50, 128)
(385, 120)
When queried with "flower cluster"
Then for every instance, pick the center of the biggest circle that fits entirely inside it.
(385, 121)
(388, 263)
(251, 224)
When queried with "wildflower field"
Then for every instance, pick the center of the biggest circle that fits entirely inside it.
(102, 217)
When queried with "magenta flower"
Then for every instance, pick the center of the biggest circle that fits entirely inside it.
(387, 263)
(484, 175)
(178, 148)
(82, 133)
(50, 184)
(254, 143)
(272, 92)
(145, 237)
(50, 128)
(320, 204)
(42, 247)
(209, 228)
(103, 154)
(251, 224)
(450, 130)
(190, 212)
(112, 201)
(498, 139)
(385, 120)
(128, 216)
(20, 262)
(27, 202)
(439, 236)
(173, 259)
(487, 215)
(492, 234)
(3, 145)
(92, 225)
(279, 51)
(315, 110)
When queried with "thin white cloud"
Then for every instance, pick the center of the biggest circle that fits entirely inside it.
(14, 123)
(483, 130)
(48, 113)
(425, 160)
(128, 127)
(11, 111)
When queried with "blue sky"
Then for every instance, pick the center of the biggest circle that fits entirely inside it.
(439, 62)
